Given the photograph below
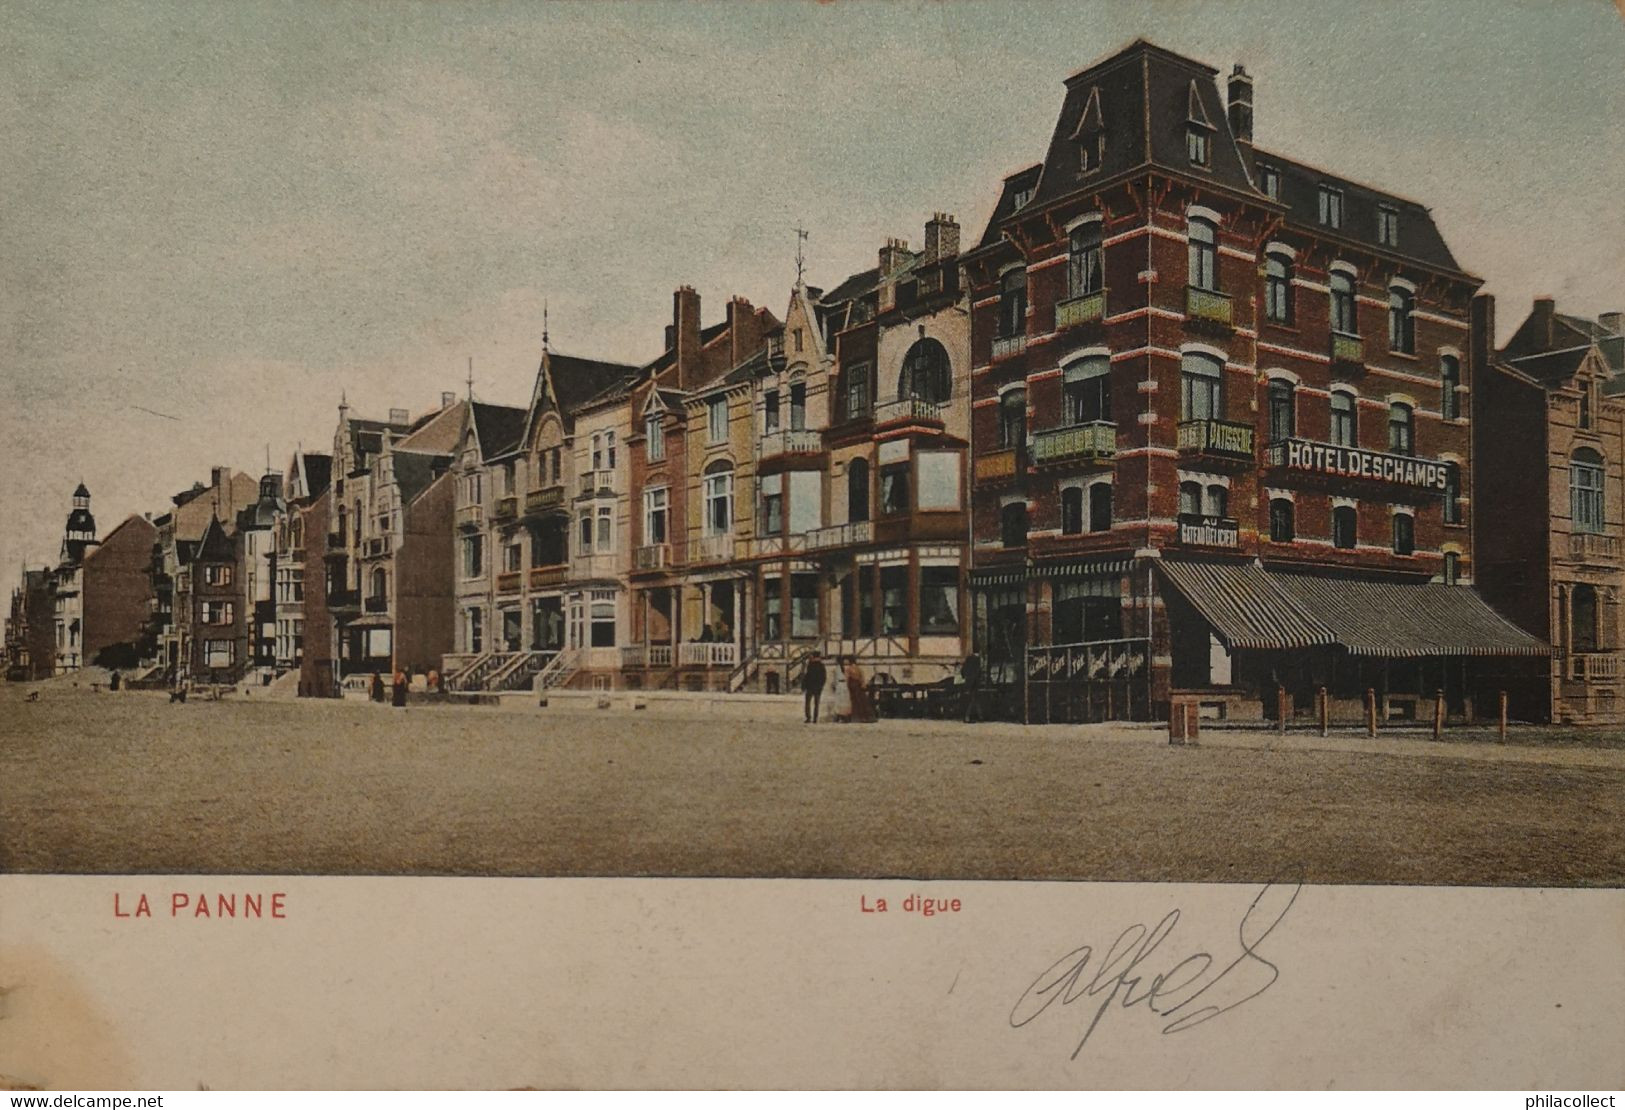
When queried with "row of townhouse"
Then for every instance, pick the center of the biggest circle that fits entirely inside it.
(1190, 422)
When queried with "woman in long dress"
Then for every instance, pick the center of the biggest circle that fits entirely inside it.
(840, 702)
(863, 710)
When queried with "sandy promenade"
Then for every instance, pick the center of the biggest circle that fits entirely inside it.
(128, 783)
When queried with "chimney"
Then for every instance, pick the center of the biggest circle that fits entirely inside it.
(1480, 336)
(399, 416)
(1612, 322)
(219, 476)
(1545, 316)
(685, 323)
(893, 256)
(447, 399)
(1240, 111)
(941, 237)
(744, 330)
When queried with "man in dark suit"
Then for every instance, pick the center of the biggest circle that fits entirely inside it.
(812, 687)
(971, 672)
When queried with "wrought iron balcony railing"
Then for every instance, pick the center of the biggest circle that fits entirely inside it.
(1096, 440)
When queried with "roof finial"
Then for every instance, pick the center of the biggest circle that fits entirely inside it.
(801, 259)
(471, 377)
(544, 325)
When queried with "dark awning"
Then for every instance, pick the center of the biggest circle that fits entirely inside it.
(1402, 620)
(1245, 607)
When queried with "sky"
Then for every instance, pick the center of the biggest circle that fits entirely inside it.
(219, 219)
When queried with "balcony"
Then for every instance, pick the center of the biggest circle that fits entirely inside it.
(712, 549)
(652, 556)
(378, 545)
(507, 508)
(344, 599)
(1594, 666)
(841, 535)
(1222, 438)
(541, 500)
(602, 566)
(996, 466)
(790, 442)
(1008, 346)
(1348, 349)
(1589, 547)
(509, 581)
(763, 546)
(1081, 310)
(593, 482)
(1095, 441)
(377, 604)
(1332, 460)
(912, 410)
(1196, 530)
(1207, 305)
(707, 655)
(543, 577)
(470, 517)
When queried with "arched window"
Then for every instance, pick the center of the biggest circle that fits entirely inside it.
(1404, 534)
(1086, 385)
(1283, 411)
(1278, 289)
(1585, 490)
(1013, 524)
(719, 498)
(1401, 320)
(1072, 510)
(926, 373)
(1190, 499)
(1217, 501)
(798, 402)
(1013, 302)
(1401, 430)
(1345, 527)
(1449, 382)
(1345, 426)
(1282, 524)
(1343, 317)
(1583, 610)
(1202, 388)
(1013, 418)
(380, 584)
(857, 489)
(1084, 271)
(1204, 254)
(1100, 507)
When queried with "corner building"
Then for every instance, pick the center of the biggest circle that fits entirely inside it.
(1220, 424)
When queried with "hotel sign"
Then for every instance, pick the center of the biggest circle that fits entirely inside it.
(1354, 462)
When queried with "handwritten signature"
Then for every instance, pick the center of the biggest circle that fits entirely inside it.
(1185, 993)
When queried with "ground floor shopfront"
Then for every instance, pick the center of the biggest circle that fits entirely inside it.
(1127, 638)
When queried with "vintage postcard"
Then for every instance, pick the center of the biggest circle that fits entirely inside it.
(791, 544)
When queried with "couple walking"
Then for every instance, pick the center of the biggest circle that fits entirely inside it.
(849, 697)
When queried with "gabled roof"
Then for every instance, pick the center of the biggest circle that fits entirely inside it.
(855, 286)
(415, 470)
(1023, 181)
(1552, 368)
(318, 473)
(497, 428)
(215, 545)
(576, 380)
(435, 432)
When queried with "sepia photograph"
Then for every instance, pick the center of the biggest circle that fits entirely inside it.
(921, 448)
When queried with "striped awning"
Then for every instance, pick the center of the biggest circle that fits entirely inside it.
(1405, 620)
(1075, 568)
(1245, 607)
(998, 576)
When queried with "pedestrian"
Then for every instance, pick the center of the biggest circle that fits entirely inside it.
(399, 694)
(812, 687)
(971, 672)
(840, 702)
(113, 681)
(377, 687)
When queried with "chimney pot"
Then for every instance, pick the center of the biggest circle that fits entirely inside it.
(1240, 105)
(1613, 322)
(447, 399)
(399, 416)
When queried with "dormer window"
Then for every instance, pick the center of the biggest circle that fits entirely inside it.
(1198, 130)
(1388, 226)
(1090, 135)
(1023, 196)
(1270, 179)
(1197, 145)
(1331, 207)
